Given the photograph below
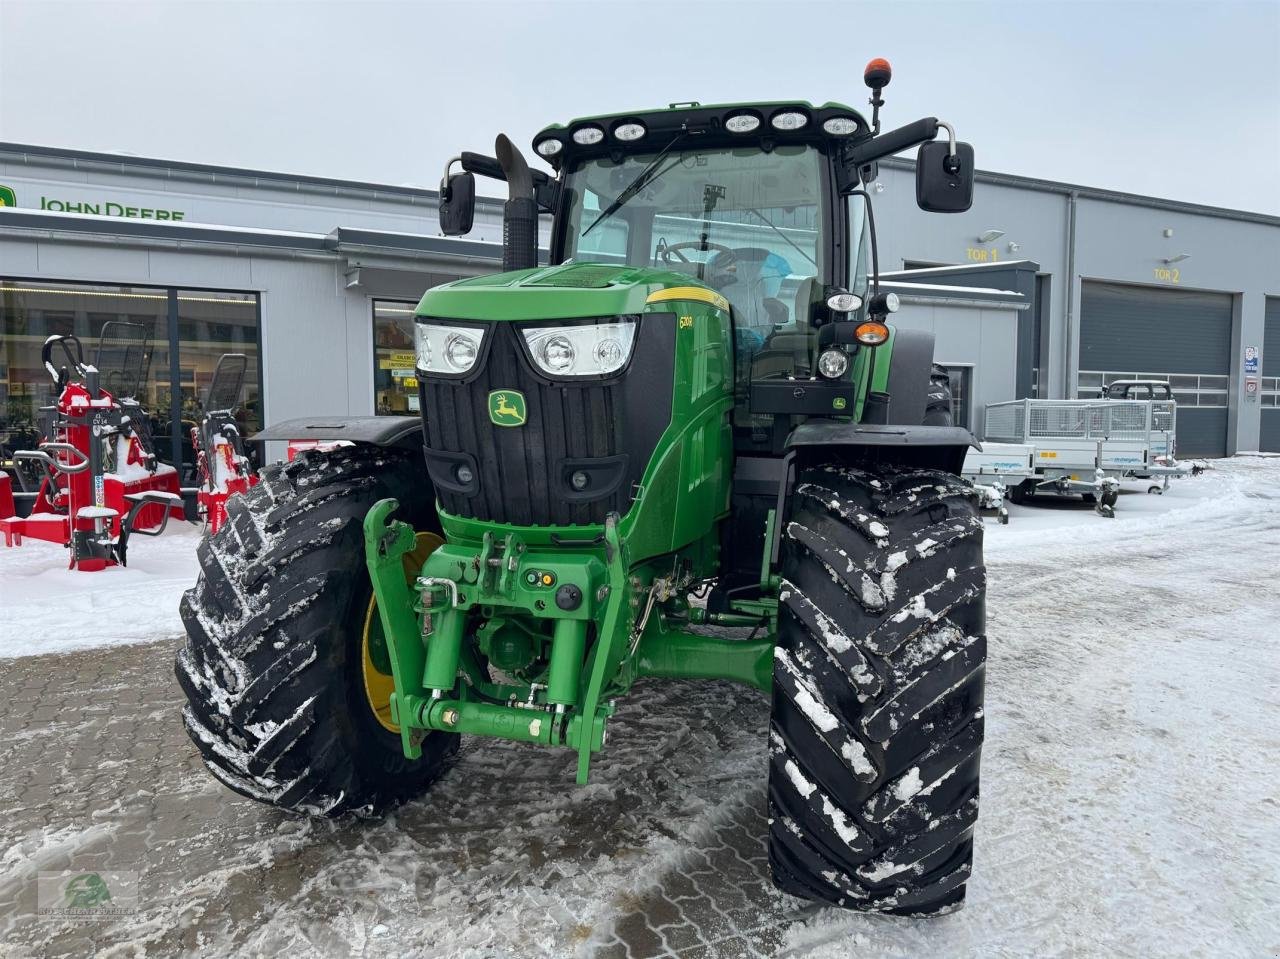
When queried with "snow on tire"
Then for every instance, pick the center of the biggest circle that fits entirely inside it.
(272, 664)
(876, 729)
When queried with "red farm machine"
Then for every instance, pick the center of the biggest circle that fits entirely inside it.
(222, 466)
(97, 476)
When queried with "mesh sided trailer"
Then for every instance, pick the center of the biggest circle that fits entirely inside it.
(1088, 446)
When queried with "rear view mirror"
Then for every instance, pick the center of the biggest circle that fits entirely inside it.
(457, 204)
(944, 182)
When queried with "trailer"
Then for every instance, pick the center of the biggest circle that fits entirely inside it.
(1087, 447)
(997, 469)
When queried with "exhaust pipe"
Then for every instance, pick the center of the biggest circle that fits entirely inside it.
(520, 212)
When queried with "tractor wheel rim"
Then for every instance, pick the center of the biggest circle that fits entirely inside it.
(378, 686)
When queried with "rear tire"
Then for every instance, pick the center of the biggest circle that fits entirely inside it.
(272, 667)
(876, 730)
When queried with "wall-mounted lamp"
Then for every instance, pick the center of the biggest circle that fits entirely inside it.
(1168, 232)
(1014, 247)
(1177, 258)
(990, 235)
(353, 278)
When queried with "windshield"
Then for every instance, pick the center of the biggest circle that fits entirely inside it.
(745, 222)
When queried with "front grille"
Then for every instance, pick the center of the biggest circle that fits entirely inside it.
(521, 474)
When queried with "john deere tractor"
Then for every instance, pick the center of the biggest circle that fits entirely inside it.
(690, 447)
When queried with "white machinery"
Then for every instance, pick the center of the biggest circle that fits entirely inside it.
(996, 469)
(1088, 446)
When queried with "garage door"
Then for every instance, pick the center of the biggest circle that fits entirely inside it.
(1271, 378)
(1151, 333)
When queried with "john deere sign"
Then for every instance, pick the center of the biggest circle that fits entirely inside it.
(99, 207)
(108, 208)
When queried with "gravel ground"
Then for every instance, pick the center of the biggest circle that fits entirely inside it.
(1130, 791)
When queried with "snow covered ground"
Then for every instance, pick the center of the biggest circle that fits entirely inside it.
(47, 608)
(1130, 794)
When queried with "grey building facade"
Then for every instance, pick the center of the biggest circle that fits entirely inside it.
(1041, 289)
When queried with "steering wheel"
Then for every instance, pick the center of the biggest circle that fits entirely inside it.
(671, 254)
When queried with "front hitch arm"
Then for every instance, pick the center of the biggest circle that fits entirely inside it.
(385, 544)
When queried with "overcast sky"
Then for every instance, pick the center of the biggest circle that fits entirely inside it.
(1170, 99)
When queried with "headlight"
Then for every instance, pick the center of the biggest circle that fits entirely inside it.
(833, 363)
(588, 350)
(446, 349)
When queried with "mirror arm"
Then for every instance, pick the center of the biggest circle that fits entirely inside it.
(546, 190)
(895, 141)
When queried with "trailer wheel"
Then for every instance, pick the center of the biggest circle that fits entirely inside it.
(1022, 492)
(876, 729)
(278, 670)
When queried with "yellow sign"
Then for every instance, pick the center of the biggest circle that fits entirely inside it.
(410, 382)
(400, 359)
(1048, 454)
(1173, 275)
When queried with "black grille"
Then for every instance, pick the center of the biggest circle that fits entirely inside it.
(609, 428)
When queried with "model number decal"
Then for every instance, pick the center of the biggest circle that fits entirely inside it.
(686, 322)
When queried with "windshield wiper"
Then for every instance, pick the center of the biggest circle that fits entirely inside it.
(643, 179)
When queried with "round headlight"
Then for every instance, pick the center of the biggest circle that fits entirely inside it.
(629, 131)
(424, 353)
(557, 353)
(587, 136)
(871, 334)
(463, 474)
(742, 123)
(609, 354)
(840, 126)
(548, 147)
(460, 351)
(843, 302)
(833, 363)
(788, 120)
(579, 480)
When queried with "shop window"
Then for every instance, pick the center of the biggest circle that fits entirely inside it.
(961, 378)
(208, 325)
(395, 385)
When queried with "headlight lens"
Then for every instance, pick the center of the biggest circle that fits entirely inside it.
(460, 351)
(596, 349)
(833, 363)
(446, 349)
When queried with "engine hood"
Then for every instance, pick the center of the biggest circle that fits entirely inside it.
(564, 292)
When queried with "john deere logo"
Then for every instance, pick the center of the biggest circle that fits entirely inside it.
(506, 408)
(6, 196)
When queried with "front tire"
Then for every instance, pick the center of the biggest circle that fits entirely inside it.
(274, 665)
(877, 725)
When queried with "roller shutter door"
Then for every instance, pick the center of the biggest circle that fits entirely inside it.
(1270, 440)
(1152, 333)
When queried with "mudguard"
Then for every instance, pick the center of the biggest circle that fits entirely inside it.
(928, 447)
(403, 431)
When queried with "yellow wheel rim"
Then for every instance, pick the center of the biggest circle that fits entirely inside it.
(378, 686)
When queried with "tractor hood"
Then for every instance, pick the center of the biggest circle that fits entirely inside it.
(562, 292)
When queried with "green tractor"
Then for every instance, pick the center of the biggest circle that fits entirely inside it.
(689, 448)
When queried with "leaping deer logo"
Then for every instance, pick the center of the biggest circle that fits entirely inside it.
(507, 408)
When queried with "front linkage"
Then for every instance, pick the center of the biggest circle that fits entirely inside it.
(638, 619)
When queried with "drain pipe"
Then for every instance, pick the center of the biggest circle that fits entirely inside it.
(1069, 389)
(520, 212)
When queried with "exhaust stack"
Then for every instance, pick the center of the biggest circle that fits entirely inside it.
(520, 212)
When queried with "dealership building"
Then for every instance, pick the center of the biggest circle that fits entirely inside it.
(1042, 289)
